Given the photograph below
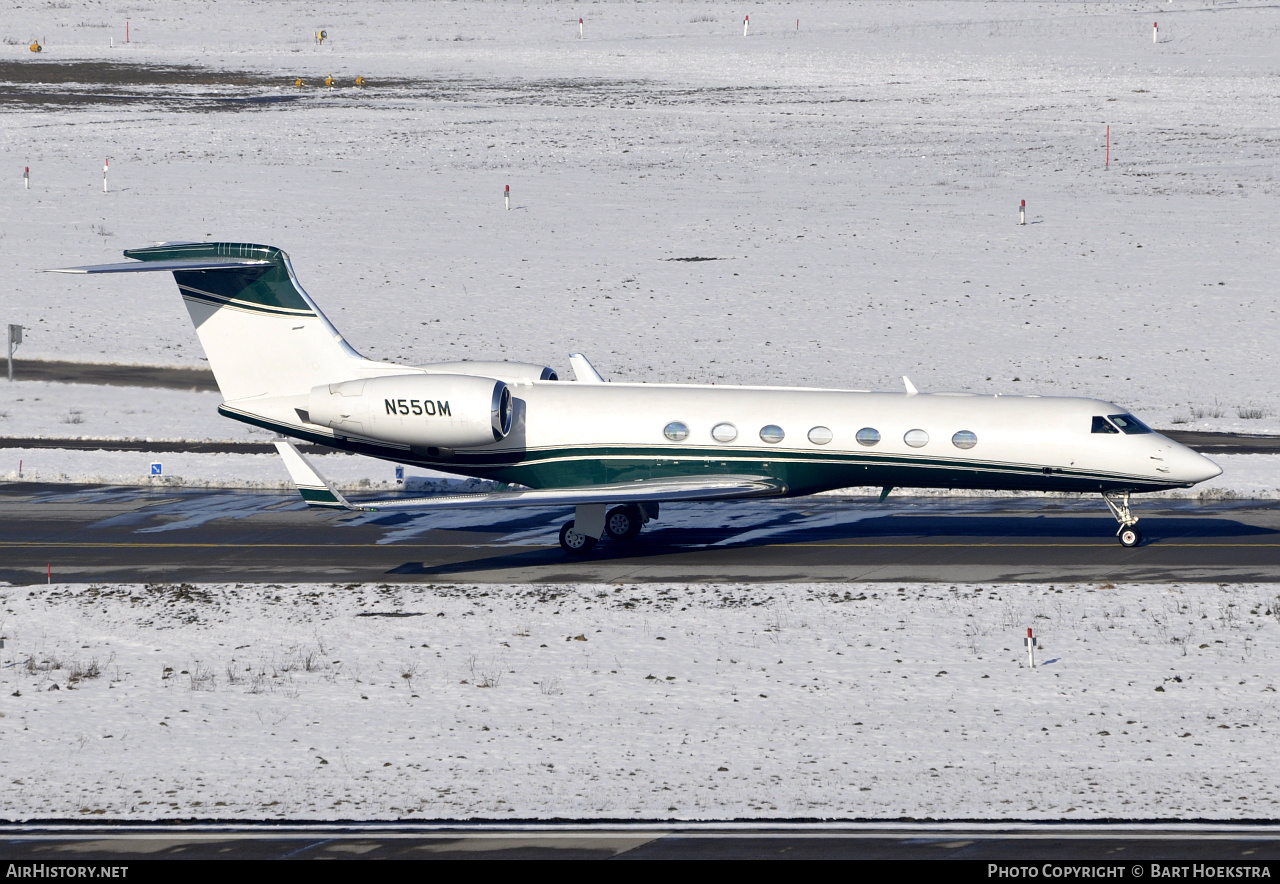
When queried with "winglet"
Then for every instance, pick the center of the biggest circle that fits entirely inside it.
(911, 388)
(583, 370)
(313, 487)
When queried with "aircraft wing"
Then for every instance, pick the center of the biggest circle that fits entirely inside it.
(316, 491)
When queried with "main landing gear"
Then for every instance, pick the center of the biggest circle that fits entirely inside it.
(1118, 502)
(621, 524)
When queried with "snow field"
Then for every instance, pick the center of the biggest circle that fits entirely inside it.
(628, 702)
(857, 183)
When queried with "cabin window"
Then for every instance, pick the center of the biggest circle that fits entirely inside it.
(772, 434)
(724, 432)
(1129, 425)
(1102, 425)
(965, 439)
(820, 436)
(868, 437)
(676, 431)
(916, 438)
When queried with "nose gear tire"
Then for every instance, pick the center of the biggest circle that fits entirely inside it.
(1130, 537)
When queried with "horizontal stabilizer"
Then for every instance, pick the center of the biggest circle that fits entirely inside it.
(698, 488)
(313, 487)
(176, 264)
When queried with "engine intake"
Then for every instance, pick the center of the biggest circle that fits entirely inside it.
(428, 410)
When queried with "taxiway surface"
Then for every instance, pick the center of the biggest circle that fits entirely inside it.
(1244, 844)
(93, 534)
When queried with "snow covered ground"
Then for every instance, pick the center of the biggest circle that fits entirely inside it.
(625, 701)
(856, 178)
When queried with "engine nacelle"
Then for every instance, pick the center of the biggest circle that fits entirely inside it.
(436, 410)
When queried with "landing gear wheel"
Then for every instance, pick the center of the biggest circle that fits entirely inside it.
(573, 543)
(624, 522)
(1130, 537)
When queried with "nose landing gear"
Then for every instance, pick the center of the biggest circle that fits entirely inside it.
(1118, 502)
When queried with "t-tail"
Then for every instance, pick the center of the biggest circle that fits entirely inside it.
(262, 334)
(267, 342)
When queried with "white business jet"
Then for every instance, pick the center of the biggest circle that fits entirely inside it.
(617, 451)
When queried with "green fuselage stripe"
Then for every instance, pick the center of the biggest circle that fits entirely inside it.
(803, 472)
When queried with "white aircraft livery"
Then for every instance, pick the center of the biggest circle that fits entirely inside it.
(616, 451)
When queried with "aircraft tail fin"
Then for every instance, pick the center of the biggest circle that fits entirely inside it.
(315, 489)
(262, 334)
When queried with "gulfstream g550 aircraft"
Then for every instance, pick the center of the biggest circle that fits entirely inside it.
(618, 451)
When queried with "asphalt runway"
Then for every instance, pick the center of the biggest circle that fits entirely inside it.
(1238, 844)
(96, 534)
(113, 375)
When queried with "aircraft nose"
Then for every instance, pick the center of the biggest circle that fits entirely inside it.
(1192, 467)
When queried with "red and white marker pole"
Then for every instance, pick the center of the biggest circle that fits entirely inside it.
(1022, 213)
(1108, 147)
(126, 31)
(105, 165)
(26, 177)
(746, 25)
(1031, 648)
(579, 29)
(49, 577)
(506, 197)
(1155, 32)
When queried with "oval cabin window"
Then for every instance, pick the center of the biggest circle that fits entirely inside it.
(772, 434)
(964, 439)
(868, 437)
(916, 438)
(724, 432)
(820, 436)
(676, 431)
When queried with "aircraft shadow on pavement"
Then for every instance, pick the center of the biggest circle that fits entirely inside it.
(1011, 527)
(656, 542)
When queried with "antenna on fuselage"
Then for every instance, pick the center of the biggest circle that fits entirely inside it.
(911, 388)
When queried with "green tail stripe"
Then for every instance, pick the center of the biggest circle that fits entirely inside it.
(267, 286)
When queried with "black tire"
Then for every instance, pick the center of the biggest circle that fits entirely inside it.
(573, 543)
(623, 522)
(1130, 537)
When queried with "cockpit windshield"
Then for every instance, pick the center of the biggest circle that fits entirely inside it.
(1129, 425)
(1102, 425)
